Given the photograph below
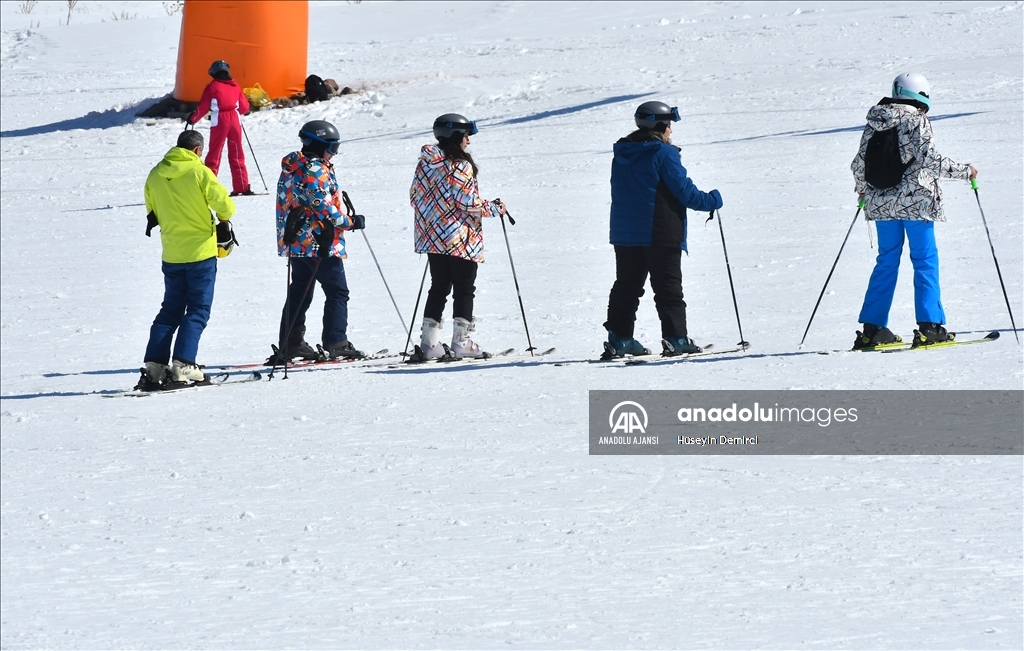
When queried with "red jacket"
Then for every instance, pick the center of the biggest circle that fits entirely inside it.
(220, 97)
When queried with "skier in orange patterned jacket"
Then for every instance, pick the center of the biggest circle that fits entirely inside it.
(225, 100)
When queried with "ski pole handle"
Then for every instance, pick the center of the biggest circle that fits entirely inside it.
(860, 204)
(504, 211)
(974, 184)
(349, 208)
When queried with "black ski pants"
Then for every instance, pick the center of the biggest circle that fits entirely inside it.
(449, 274)
(632, 266)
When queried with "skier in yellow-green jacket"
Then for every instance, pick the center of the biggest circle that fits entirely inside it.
(180, 193)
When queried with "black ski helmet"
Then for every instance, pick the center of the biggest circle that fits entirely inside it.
(320, 135)
(651, 114)
(318, 131)
(451, 123)
(218, 66)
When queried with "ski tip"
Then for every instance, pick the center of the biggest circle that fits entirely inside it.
(256, 375)
(746, 344)
(992, 335)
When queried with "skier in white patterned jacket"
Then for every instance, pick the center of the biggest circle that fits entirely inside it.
(896, 172)
(448, 213)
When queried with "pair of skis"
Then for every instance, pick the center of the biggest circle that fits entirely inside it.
(212, 380)
(443, 361)
(903, 346)
(657, 359)
(310, 363)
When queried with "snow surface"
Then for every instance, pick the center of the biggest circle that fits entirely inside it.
(458, 508)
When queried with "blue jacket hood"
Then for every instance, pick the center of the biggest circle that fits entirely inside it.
(628, 152)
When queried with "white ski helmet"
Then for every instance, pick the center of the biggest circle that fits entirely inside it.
(914, 86)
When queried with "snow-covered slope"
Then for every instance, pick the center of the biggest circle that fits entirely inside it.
(459, 508)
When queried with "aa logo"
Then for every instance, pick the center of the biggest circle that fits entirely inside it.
(628, 417)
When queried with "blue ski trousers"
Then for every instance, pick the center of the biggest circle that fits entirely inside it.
(925, 258)
(330, 273)
(188, 297)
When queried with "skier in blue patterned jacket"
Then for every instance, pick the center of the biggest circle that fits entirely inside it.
(310, 233)
(650, 194)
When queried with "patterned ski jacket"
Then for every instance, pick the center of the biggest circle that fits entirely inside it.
(917, 196)
(224, 99)
(448, 208)
(651, 192)
(309, 209)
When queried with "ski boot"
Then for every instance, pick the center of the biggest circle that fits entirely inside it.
(301, 351)
(430, 343)
(343, 350)
(928, 334)
(675, 346)
(462, 345)
(617, 346)
(184, 374)
(875, 338)
(247, 192)
(154, 375)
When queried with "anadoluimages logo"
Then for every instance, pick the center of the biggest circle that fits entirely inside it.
(631, 418)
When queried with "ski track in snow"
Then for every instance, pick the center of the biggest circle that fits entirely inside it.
(356, 507)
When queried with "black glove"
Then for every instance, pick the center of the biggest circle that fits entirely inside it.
(358, 222)
(151, 223)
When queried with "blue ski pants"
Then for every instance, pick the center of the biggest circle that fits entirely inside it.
(330, 273)
(188, 297)
(925, 258)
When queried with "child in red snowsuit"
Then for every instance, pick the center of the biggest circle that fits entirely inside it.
(226, 101)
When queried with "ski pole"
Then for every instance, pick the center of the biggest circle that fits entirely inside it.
(265, 188)
(287, 315)
(743, 343)
(974, 186)
(351, 212)
(503, 212)
(293, 318)
(419, 294)
(860, 206)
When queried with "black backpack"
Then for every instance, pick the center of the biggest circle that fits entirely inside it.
(883, 167)
(316, 89)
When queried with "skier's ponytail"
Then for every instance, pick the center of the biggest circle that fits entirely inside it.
(452, 148)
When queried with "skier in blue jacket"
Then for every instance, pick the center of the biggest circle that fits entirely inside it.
(650, 195)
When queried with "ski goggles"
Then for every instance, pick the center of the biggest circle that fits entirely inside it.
(459, 126)
(661, 117)
(898, 91)
(333, 146)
